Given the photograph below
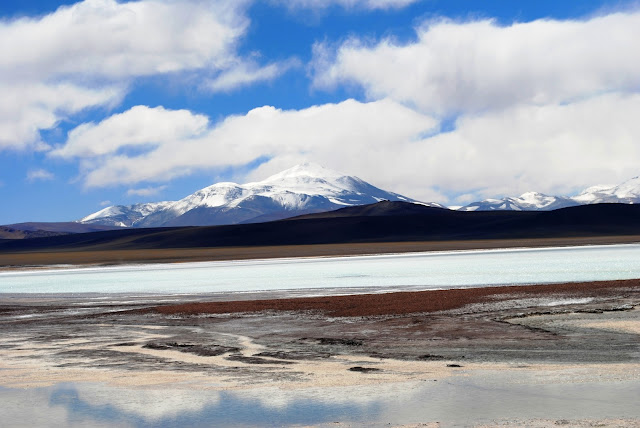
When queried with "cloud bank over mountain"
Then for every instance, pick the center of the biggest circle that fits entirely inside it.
(340, 134)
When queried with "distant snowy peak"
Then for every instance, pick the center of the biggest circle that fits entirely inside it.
(625, 193)
(124, 215)
(529, 201)
(304, 189)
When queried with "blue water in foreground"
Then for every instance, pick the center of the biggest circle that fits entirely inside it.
(425, 270)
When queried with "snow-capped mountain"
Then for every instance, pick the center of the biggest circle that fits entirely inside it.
(530, 201)
(124, 215)
(303, 189)
(625, 193)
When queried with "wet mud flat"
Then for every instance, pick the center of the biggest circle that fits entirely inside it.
(590, 323)
(314, 340)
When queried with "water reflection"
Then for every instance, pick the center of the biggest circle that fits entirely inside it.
(77, 405)
(457, 401)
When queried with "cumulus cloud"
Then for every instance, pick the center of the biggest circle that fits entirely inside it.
(27, 108)
(555, 149)
(349, 136)
(39, 174)
(86, 55)
(105, 38)
(138, 126)
(461, 67)
(347, 4)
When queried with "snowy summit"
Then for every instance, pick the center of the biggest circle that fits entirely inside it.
(304, 189)
(625, 193)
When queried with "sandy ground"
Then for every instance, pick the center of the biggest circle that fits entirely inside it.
(567, 333)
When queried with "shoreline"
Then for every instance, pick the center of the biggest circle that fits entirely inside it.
(133, 265)
(39, 260)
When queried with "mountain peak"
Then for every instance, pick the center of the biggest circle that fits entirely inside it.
(306, 169)
(303, 189)
(625, 193)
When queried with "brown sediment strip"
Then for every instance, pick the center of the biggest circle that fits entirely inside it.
(401, 303)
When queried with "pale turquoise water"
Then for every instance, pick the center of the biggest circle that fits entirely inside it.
(426, 270)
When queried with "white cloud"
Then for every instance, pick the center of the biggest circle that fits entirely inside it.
(104, 38)
(350, 136)
(105, 203)
(139, 126)
(39, 174)
(27, 108)
(246, 73)
(555, 149)
(86, 55)
(145, 192)
(462, 67)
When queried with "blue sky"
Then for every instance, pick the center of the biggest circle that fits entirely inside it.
(108, 102)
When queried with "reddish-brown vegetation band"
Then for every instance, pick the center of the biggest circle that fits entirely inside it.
(402, 302)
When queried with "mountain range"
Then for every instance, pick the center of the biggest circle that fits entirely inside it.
(375, 223)
(625, 193)
(310, 188)
(304, 189)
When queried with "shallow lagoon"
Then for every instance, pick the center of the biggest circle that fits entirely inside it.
(423, 270)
